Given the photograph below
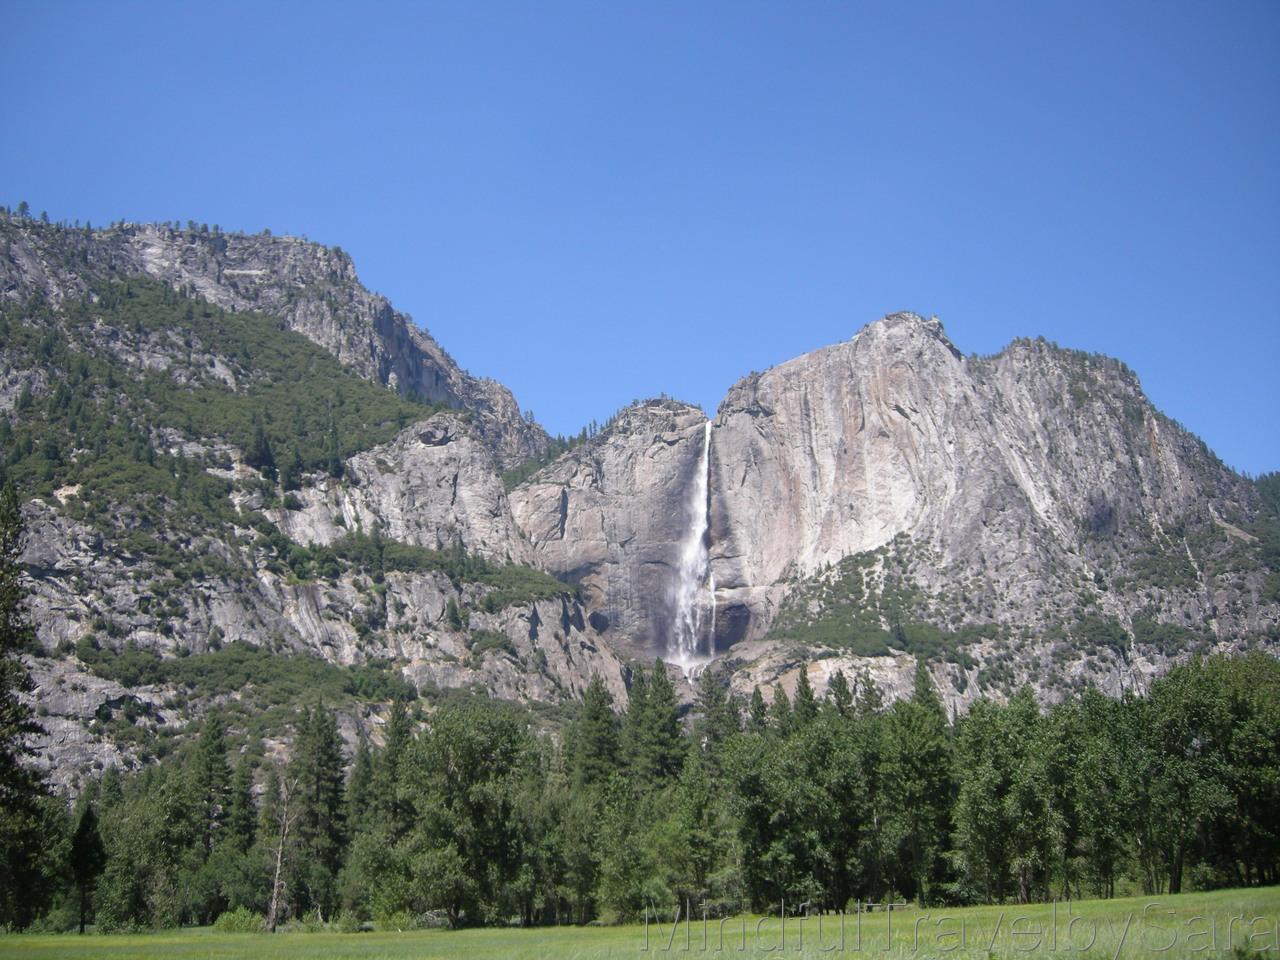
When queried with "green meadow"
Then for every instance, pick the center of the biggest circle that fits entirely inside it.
(1221, 923)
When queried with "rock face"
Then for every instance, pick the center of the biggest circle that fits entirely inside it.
(1036, 490)
(83, 591)
(435, 486)
(1006, 466)
(609, 516)
(311, 288)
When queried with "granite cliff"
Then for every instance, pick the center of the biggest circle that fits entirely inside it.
(196, 520)
(1027, 516)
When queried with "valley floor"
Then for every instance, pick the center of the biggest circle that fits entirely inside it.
(1222, 923)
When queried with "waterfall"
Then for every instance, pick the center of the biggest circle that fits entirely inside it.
(695, 587)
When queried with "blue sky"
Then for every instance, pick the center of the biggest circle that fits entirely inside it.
(597, 202)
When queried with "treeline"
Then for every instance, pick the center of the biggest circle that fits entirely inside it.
(468, 815)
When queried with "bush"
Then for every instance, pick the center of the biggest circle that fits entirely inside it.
(348, 922)
(398, 920)
(239, 920)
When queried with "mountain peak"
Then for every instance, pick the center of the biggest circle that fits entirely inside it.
(905, 323)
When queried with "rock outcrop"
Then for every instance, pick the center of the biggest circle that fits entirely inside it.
(609, 516)
(435, 486)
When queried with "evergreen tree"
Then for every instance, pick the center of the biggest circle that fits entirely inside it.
(634, 720)
(780, 712)
(88, 857)
(259, 455)
(452, 615)
(25, 811)
(360, 788)
(212, 779)
(269, 811)
(333, 450)
(806, 705)
(719, 715)
(594, 736)
(393, 811)
(241, 820)
(839, 696)
(757, 713)
(291, 475)
(316, 767)
(870, 698)
(664, 748)
(651, 741)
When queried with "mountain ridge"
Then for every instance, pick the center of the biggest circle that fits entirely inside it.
(1022, 517)
(312, 288)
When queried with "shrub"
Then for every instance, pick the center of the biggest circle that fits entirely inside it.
(239, 920)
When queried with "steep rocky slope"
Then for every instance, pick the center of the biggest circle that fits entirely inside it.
(311, 288)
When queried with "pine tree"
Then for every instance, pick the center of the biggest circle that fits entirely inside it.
(259, 455)
(839, 696)
(870, 699)
(269, 812)
(452, 615)
(316, 767)
(333, 450)
(241, 821)
(594, 736)
(360, 789)
(780, 711)
(634, 720)
(24, 817)
(720, 716)
(806, 705)
(212, 779)
(665, 753)
(758, 712)
(652, 745)
(392, 810)
(291, 475)
(88, 857)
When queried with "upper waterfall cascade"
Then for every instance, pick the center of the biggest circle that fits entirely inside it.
(693, 637)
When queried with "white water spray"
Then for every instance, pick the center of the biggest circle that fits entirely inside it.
(693, 638)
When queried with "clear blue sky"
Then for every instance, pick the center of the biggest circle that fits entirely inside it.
(596, 202)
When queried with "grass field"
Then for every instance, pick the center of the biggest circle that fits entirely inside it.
(1189, 925)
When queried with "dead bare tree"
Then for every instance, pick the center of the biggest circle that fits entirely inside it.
(286, 814)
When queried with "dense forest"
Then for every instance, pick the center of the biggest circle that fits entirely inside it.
(472, 813)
